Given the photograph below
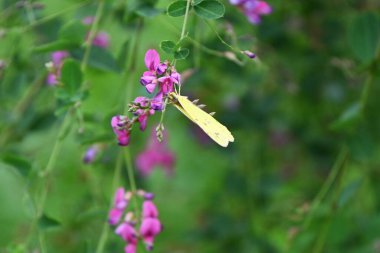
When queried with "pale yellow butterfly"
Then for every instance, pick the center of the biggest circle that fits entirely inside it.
(219, 133)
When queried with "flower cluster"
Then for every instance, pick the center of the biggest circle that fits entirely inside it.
(156, 154)
(54, 67)
(160, 76)
(150, 225)
(253, 9)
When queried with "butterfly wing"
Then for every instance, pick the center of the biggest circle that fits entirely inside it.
(219, 133)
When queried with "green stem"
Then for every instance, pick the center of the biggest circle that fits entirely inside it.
(185, 20)
(46, 174)
(131, 177)
(328, 184)
(92, 34)
(29, 12)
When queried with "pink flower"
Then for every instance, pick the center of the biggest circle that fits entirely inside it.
(120, 125)
(152, 60)
(101, 40)
(166, 84)
(149, 80)
(143, 114)
(156, 154)
(114, 216)
(150, 228)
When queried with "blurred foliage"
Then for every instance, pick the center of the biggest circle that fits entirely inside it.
(301, 176)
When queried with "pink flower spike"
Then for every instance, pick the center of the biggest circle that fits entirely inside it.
(114, 216)
(150, 228)
(149, 209)
(119, 124)
(152, 59)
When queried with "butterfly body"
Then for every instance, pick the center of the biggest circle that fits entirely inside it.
(215, 130)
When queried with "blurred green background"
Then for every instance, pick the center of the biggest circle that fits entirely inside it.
(301, 176)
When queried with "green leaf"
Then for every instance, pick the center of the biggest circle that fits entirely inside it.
(181, 54)
(99, 58)
(364, 36)
(46, 222)
(74, 32)
(348, 117)
(22, 165)
(148, 11)
(177, 9)
(71, 76)
(55, 46)
(209, 9)
(348, 192)
(168, 46)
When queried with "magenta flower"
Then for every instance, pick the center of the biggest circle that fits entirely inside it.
(166, 84)
(143, 114)
(156, 154)
(130, 248)
(150, 228)
(120, 125)
(253, 9)
(58, 57)
(152, 63)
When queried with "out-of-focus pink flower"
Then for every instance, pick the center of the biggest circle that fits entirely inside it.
(101, 39)
(119, 204)
(58, 56)
(90, 154)
(126, 231)
(156, 154)
(120, 125)
(149, 209)
(130, 248)
(150, 228)
(55, 66)
(88, 20)
(253, 9)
